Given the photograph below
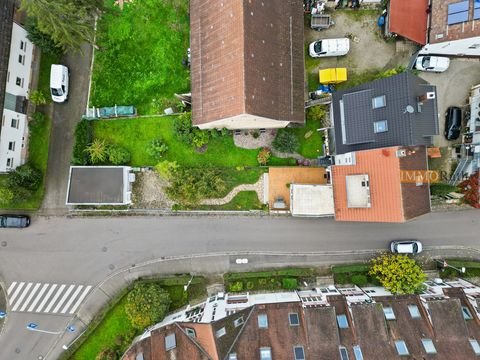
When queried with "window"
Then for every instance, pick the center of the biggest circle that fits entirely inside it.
(11, 145)
(379, 102)
(475, 346)
(10, 162)
(238, 321)
(23, 45)
(401, 347)
(389, 314)
(190, 332)
(429, 346)
(15, 123)
(170, 342)
(299, 353)
(232, 356)
(343, 352)
(220, 332)
(380, 126)
(21, 59)
(262, 321)
(265, 353)
(466, 313)
(293, 319)
(414, 312)
(342, 321)
(18, 81)
(357, 351)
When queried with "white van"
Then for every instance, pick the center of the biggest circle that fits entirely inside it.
(59, 75)
(329, 47)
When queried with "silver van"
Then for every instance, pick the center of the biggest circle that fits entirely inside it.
(59, 77)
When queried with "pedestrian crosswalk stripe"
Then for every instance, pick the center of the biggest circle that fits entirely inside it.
(29, 298)
(80, 299)
(55, 297)
(46, 298)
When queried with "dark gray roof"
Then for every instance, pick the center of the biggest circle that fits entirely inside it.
(6, 22)
(404, 128)
(96, 185)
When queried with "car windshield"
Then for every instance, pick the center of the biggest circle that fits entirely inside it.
(415, 247)
(318, 47)
(11, 221)
(57, 92)
(3, 221)
(426, 62)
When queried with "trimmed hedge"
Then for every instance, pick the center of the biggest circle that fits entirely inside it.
(83, 138)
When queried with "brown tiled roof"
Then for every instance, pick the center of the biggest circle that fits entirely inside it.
(391, 200)
(408, 18)
(247, 57)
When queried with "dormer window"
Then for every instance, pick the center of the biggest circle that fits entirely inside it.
(379, 102)
(380, 126)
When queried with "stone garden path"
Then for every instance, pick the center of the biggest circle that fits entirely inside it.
(257, 187)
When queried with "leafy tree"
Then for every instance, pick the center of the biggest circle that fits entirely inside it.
(6, 196)
(97, 151)
(69, 23)
(166, 169)
(471, 189)
(157, 148)
(397, 273)
(146, 304)
(38, 97)
(25, 176)
(118, 155)
(40, 39)
(285, 141)
(263, 156)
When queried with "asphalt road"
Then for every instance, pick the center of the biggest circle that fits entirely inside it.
(87, 250)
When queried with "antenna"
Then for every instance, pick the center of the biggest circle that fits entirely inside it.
(409, 109)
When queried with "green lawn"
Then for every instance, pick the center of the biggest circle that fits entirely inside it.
(140, 57)
(311, 147)
(136, 135)
(46, 62)
(38, 158)
(244, 200)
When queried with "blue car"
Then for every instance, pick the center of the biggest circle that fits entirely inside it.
(14, 221)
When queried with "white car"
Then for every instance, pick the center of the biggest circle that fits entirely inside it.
(432, 63)
(329, 47)
(59, 82)
(406, 247)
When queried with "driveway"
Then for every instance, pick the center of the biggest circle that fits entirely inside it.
(453, 87)
(65, 117)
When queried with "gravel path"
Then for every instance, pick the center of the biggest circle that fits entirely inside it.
(257, 187)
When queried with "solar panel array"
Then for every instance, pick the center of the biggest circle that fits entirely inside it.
(476, 9)
(458, 12)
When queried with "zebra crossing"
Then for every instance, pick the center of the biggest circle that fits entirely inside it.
(46, 298)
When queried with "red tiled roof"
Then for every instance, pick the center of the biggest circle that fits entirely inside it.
(408, 18)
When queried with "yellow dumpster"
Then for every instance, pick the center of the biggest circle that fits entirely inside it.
(333, 75)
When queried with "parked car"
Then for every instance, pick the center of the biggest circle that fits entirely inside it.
(329, 47)
(453, 122)
(59, 81)
(14, 221)
(406, 247)
(432, 63)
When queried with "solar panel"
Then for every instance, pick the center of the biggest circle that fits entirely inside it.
(476, 12)
(457, 7)
(476, 4)
(457, 17)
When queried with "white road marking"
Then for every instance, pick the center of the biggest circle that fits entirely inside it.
(62, 300)
(20, 299)
(29, 298)
(15, 294)
(39, 296)
(10, 288)
(57, 294)
(72, 298)
(80, 299)
(45, 299)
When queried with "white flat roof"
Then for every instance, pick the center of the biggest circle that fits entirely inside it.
(311, 200)
(358, 191)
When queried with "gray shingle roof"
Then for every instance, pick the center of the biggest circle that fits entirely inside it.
(404, 128)
(6, 23)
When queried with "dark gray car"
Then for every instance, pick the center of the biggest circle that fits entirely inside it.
(14, 221)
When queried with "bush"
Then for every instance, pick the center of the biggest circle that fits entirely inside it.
(146, 304)
(264, 155)
(359, 280)
(237, 286)
(118, 155)
(25, 176)
(83, 137)
(183, 127)
(6, 196)
(38, 97)
(97, 151)
(107, 354)
(166, 169)
(157, 148)
(289, 283)
(200, 138)
(315, 113)
(255, 134)
(286, 141)
(250, 285)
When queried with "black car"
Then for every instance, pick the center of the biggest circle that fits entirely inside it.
(453, 122)
(14, 221)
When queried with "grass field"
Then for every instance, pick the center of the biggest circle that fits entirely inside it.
(139, 61)
(244, 200)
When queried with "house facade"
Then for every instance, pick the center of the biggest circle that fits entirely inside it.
(247, 64)
(15, 76)
(322, 323)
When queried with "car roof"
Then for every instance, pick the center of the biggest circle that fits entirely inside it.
(404, 247)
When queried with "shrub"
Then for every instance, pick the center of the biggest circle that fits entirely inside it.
(157, 148)
(183, 127)
(83, 137)
(6, 196)
(107, 354)
(255, 134)
(315, 113)
(200, 138)
(166, 169)
(250, 285)
(146, 304)
(97, 151)
(264, 155)
(25, 176)
(237, 286)
(118, 155)
(359, 279)
(38, 97)
(285, 141)
(289, 283)
(224, 132)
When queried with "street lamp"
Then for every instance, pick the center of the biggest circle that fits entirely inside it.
(443, 265)
(185, 287)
